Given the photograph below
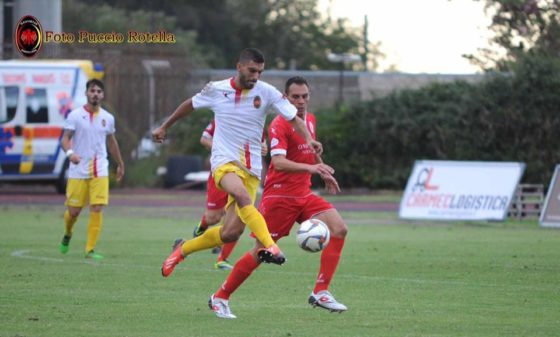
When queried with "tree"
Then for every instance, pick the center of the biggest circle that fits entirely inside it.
(520, 26)
(291, 33)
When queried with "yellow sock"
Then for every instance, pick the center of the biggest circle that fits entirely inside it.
(94, 228)
(69, 223)
(252, 218)
(210, 238)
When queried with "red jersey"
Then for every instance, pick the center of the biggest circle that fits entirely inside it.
(284, 140)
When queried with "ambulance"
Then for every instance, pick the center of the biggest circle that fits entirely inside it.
(35, 98)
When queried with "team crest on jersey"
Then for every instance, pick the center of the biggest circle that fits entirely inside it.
(103, 122)
(257, 102)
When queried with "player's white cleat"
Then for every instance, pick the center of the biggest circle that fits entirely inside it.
(324, 299)
(220, 307)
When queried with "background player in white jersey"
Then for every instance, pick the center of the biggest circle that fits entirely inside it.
(240, 106)
(88, 132)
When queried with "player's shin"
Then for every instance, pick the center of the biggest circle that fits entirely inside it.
(241, 271)
(94, 229)
(329, 262)
(69, 222)
(210, 238)
(256, 223)
(227, 248)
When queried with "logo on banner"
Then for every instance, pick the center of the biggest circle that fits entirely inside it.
(423, 180)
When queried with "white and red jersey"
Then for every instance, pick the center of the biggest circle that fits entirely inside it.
(239, 120)
(89, 142)
(284, 140)
(211, 127)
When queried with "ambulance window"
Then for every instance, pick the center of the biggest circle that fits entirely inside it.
(8, 103)
(37, 109)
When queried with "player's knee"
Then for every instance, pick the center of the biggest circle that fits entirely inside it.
(96, 208)
(242, 199)
(74, 212)
(339, 230)
(213, 218)
(231, 235)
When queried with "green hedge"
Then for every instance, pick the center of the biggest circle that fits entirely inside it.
(507, 117)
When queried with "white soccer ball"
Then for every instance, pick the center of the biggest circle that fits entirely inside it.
(313, 235)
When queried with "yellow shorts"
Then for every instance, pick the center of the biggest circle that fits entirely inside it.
(250, 182)
(94, 190)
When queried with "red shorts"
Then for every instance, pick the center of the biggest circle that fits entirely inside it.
(282, 212)
(215, 198)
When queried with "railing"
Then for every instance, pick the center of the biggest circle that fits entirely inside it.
(527, 201)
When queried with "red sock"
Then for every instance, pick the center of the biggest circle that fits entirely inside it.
(241, 271)
(329, 261)
(227, 248)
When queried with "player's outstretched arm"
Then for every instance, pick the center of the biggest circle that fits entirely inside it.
(299, 126)
(115, 152)
(183, 110)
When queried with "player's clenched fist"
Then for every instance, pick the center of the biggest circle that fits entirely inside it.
(158, 135)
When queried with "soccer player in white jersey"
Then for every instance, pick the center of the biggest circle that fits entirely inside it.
(240, 105)
(88, 131)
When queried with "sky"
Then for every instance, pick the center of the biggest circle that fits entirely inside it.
(420, 36)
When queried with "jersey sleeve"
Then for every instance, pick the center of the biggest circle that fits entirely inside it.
(209, 131)
(278, 135)
(111, 125)
(205, 97)
(70, 122)
(280, 104)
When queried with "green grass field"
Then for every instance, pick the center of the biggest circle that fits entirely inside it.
(397, 278)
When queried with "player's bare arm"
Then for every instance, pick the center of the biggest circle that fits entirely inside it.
(183, 110)
(331, 185)
(281, 163)
(67, 146)
(115, 152)
(299, 126)
(264, 149)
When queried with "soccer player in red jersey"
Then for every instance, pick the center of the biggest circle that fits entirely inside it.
(287, 198)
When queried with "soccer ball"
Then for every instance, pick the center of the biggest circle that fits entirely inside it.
(313, 235)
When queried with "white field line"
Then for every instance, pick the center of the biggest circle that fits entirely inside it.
(24, 254)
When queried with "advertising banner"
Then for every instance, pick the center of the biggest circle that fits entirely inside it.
(460, 190)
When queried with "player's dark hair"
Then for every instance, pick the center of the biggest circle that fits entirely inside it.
(295, 80)
(251, 54)
(96, 82)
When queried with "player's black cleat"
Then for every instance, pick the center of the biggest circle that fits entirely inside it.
(272, 254)
(176, 243)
